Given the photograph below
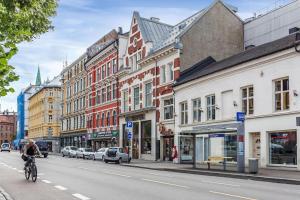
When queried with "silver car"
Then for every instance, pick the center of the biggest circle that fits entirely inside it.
(99, 155)
(5, 147)
(117, 155)
(85, 153)
(69, 151)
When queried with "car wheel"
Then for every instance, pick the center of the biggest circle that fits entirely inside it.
(105, 161)
(94, 157)
(69, 155)
(119, 161)
(102, 158)
(83, 157)
(63, 155)
(45, 155)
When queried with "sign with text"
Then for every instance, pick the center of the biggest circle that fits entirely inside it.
(216, 135)
(129, 124)
(240, 116)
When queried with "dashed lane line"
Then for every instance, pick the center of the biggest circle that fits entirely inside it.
(46, 181)
(80, 196)
(165, 183)
(60, 187)
(220, 183)
(231, 195)
(155, 174)
(116, 174)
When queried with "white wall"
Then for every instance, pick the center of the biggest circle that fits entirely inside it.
(272, 26)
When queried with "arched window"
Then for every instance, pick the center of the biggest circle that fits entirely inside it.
(108, 118)
(114, 118)
(102, 120)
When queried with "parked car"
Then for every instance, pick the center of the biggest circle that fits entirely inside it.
(99, 155)
(85, 153)
(69, 151)
(43, 147)
(5, 147)
(117, 155)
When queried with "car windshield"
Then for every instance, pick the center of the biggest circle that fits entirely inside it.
(74, 148)
(88, 150)
(5, 145)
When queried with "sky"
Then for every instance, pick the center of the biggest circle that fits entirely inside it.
(80, 23)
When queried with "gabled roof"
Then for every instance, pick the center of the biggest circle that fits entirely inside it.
(204, 68)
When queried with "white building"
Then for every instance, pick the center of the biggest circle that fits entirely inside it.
(272, 25)
(264, 83)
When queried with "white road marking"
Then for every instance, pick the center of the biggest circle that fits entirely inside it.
(116, 174)
(80, 196)
(165, 183)
(38, 177)
(46, 181)
(231, 195)
(15, 168)
(20, 171)
(161, 175)
(60, 187)
(40, 174)
(220, 183)
(83, 168)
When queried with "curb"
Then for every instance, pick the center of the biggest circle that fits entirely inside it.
(4, 195)
(227, 175)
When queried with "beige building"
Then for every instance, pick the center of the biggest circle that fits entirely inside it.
(73, 104)
(44, 114)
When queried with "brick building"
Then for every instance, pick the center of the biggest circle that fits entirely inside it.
(8, 127)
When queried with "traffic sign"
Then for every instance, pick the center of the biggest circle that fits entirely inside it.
(240, 116)
(129, 124)
(129, 135)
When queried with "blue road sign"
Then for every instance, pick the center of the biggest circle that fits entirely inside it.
(129, 124)
(240, 116)
(129, 135)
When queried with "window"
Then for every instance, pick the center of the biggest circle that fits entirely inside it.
(197, 110)
(139, 56)
(108, 118)
(168, 109)
(115, 66)
(210, 107)
(103, 95)
(51, 106)
(146, 137)
(136, 98)
(148, 95)
(103, 72)
(98, 74)
(90, 100)
(84, 101)
(114, 91)
(163, 74)
(282, 99)
(90, 79)
(283, 148)
(108, 69)
(98, 120)
(50, 119)
(102, 120)
(98, 97)
(247, 100)
(108, 93)
(184, 113)
(114, 118)
(81, 85)
(125, 100)
(171, 73)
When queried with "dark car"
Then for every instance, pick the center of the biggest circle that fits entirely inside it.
(43, 147)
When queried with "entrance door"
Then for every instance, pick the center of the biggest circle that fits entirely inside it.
(135, 140)
(255, 145)
(168, 144)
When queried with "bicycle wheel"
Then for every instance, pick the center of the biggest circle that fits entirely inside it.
(33, 173)
(27, 173)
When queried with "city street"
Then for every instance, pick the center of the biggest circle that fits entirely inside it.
(71, 178)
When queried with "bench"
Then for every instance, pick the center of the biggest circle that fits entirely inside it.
(217, 160)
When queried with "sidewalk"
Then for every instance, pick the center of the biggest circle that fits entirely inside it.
(275, 175)
(4, 195)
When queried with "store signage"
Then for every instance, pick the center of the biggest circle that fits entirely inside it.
(102, 134)
(216, 135)
(129, 124)
(115, 133)
(240, 116)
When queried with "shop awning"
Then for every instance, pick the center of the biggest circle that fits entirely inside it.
(207, 131)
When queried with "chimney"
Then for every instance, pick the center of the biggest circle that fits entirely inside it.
(155, 19)
(120, 30)
(294, 30)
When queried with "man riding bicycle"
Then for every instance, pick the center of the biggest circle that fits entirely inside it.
(30, 149)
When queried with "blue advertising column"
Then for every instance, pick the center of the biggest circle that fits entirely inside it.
(240, 117)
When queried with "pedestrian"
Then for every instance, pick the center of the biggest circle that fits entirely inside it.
(174, 154)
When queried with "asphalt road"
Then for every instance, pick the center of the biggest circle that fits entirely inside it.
(70, 178)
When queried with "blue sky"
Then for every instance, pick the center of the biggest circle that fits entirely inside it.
(79, 23)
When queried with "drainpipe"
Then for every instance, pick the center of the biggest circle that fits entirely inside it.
(156, 157)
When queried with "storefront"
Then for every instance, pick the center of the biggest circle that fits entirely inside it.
(166, 142)
(77, 140)
(105, 139)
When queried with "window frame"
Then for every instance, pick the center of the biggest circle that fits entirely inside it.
(165, 107)
(183, 112)
(247, 98)
(282, 93)
(197, 111)
(210, 107)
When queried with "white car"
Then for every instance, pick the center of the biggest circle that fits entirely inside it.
(69, 151)
(85, 153)
(5, 147)
(99, 155)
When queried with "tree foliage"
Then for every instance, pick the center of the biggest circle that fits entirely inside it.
(20, 20)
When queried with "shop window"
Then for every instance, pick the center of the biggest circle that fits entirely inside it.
(247, 100)
(282, 99)
(148, 95)
(168, 109)
(211, 107)
(197, 110)
(283, 148)
(125, 101)
(146, 137)
(183, 113)
(186, 149)
(136, 98)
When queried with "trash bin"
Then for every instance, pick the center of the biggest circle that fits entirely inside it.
(253, 165)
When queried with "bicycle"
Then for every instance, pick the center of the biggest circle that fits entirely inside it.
(31, 169)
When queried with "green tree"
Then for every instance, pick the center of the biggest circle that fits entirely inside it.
(20, 20)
